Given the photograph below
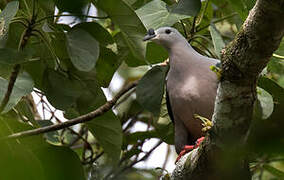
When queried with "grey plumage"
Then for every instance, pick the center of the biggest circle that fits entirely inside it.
(191, 85)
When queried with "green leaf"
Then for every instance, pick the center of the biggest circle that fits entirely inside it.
(150, 89)
(156, 13)
(33, 158)
(130, 25)
(276, 172)
(106, 128)
(60, 90)
(242, 7)
(82, 48)
(58, 43)
(97, 31)
(11, 56)
(106, 66)
(155, 53)
(187, 7)
(273, 88)
(5, 19)
(23, 86)
(124, 52)
(266, 102)
(217, 39)
(72, 6)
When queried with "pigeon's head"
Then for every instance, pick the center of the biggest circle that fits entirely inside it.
(165, 36)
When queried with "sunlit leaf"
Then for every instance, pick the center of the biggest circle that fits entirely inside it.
(5, 19)
(217, 39)
(157, 13)
(276, 172)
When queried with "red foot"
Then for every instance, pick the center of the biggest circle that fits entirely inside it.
(188, 148)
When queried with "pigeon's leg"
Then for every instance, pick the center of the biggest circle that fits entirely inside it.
(188, 148)
(182, 138)
(207, 124)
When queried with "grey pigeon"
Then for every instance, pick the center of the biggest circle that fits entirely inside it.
(191, 85)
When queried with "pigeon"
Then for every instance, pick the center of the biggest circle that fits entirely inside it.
(191, 87)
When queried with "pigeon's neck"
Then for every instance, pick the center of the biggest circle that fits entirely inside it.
(183, 54)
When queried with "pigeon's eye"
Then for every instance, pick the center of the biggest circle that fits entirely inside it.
(168, 31)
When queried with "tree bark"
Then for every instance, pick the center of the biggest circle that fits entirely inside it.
(222, 154)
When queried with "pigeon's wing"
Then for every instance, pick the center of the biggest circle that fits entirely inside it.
(170, 112)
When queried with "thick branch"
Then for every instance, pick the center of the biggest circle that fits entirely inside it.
(84, 118)
(221, 155)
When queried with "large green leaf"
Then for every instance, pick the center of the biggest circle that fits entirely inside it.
(106, 66)
(130, 25)
(5, 19)
(150, 89)
(124, 52)
(106, 128)
(242, 7)
(82, 48)
(11, 56)
(23, 86)
(61, 91)
(157, 13)
(34, 159)
(72, 6)
(155, 53)
(97, 31)
(217, 39)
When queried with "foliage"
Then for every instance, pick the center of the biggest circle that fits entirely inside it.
(67, 64)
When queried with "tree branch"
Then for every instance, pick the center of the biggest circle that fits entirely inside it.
(12, 80)
(222, 154)
(84, 118)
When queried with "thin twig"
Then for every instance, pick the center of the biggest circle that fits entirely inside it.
(84, 118)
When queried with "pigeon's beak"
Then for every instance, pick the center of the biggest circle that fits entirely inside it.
(150, 35)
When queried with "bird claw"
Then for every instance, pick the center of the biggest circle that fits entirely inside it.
(206, 123)
(188, 148)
